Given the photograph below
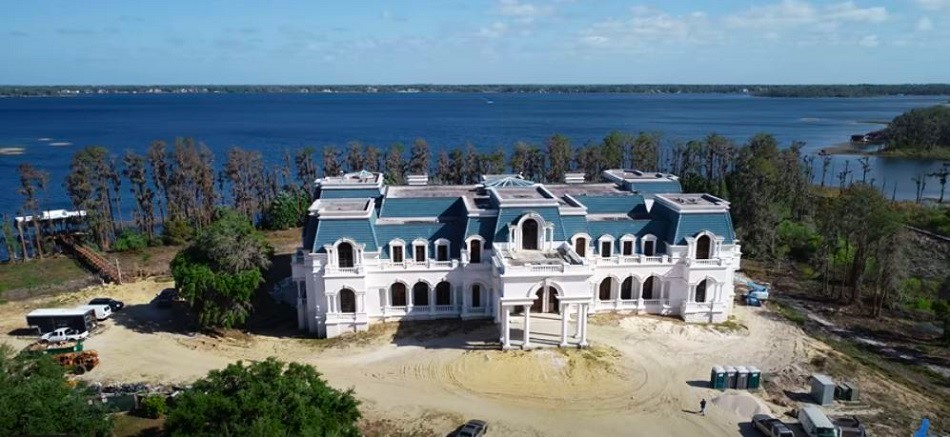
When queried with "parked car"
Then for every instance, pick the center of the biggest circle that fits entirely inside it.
(116, 305)
(166, 298)
(849, 426)
(473, 428)
(771, 426)
(102, 311)
(64, 334)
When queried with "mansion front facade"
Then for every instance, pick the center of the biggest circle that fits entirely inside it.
(510, 247)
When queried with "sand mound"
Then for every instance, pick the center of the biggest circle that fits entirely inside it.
(562, 378)
(742, 404)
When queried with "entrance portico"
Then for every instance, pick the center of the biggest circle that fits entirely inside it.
(544, 330)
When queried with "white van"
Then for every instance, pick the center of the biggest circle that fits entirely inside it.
(815, 422)
(102, 311)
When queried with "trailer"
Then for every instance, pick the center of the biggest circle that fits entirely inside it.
(49, 319)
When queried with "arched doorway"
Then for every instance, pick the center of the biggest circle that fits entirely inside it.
(648, 288)
(443, 293)
(397, 294)
(345, 255)
(529, 234)
(703, 247)
(701, 291)
(420, 294)
(626, 289)
(606, 286)
(580, 246)
(476, 296)
(546, 301)
(347, 301)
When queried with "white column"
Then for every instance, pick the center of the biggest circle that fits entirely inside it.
(506, 328)
(564, 316)
(583, 324)
(527, 327)
(577, 330)
(361, 302)
(431, 300)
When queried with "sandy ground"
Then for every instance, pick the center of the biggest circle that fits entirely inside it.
(642, 375)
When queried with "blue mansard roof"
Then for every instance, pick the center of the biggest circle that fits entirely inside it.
(459, 212)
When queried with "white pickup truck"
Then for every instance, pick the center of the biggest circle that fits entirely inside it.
(63, 334)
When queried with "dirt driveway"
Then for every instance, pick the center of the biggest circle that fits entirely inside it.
(642, 375)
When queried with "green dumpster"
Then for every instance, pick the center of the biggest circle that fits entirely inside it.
(755, 378)
(717, 378)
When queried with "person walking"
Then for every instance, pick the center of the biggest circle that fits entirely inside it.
(702, 407)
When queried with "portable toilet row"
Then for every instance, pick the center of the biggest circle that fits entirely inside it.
(738, 377)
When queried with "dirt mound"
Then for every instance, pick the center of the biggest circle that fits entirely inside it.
(742, 404)
(557, 378)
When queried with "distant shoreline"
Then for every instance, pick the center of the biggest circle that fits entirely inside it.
(757, 90)
(848, 148)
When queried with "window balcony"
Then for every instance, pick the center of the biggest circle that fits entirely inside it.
(634, 259)
(345, 271)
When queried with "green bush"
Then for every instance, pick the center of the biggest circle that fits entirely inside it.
(153, 407)
(130, 240)
(798, 240)
(177, 232)
(286, 211)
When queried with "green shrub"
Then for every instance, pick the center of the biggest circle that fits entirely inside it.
(798, 240)
(287, 210)
(153, 407)
(130, 240)
(177, 232)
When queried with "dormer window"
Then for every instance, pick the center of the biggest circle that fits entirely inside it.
(442, 250)
(475, 251)
(345, 255)
(397, 253)
(626, 245)
(419, 250)
(649, 245)
(703, 247)
(605, 248)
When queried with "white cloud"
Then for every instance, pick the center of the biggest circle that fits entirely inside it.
(650, 26)
(795, 13)
(934, 5)
(524, 12)
(496, 30)
(924, 24)
(869, 41)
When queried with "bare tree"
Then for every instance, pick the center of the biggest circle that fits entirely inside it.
(32, 185)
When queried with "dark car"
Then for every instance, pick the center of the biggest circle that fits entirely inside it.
(114, 305)
(474, 428)
(166, 298)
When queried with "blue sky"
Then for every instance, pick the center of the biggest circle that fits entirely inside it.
(452, 42)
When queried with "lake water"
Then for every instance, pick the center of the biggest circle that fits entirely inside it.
(51, 129)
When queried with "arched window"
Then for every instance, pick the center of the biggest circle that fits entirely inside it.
(703, 247)
(626, 288)
(701, 291)
(475, 251)
(420, 294)
(347, 301)
(605, 287)
(529, 234)
(580, 246)
(476, 296)
(648, 287)
(345, 255)
(443, 293)
(397, 294)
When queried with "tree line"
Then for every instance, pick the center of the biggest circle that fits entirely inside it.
(921, 131)
(857, 90)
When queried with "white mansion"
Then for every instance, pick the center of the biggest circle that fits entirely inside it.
(507, 246)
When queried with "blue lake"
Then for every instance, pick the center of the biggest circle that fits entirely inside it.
(51, 129)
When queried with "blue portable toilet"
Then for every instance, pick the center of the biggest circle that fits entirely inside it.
(717, 378)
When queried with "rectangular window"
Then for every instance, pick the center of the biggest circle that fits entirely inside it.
(649, 248)
(476, 296)
(628, 248)
(420, 253)
(397, 254)
(442, 253)
(605, 249)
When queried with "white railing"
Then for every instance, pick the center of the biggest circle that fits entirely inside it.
(707, 262)
(545, 267)
(333, 270)
(396, 311)
(477, 310)
(445, 308)
(634, 259)
(441, 263)
(629, 304)
(663, 302)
